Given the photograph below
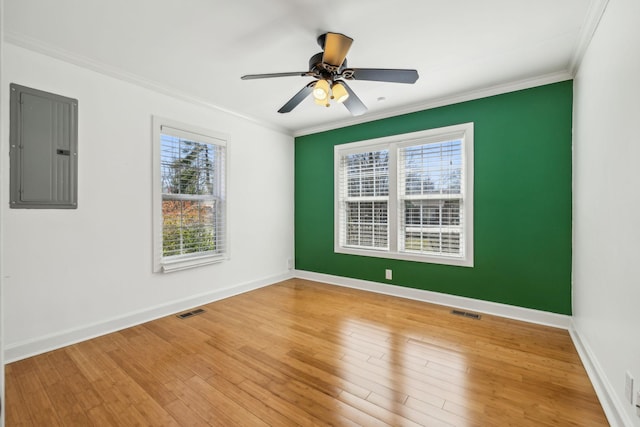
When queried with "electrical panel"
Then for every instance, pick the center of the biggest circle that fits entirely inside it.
(44, 149)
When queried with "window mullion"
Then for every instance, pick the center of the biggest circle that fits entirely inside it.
(430, 179)
(392, 206)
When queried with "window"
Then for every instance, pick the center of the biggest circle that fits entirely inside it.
(366, 201)
(407, 196)
(189, 196)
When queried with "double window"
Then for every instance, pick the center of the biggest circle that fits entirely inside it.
(190, 196)
(407, 197)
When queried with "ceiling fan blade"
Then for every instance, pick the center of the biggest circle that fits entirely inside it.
(266, 76)
(382, 75)
(353, 103)
(336, 47)
(297, 98)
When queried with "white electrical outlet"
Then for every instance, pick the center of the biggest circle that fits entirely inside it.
(388, 274)
(628, 387)
(290, 264)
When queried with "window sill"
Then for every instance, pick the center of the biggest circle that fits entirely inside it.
(169, 266)
(405, 256)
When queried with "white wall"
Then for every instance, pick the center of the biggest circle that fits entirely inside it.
(2, 183)
(70, 274)
(606, 265)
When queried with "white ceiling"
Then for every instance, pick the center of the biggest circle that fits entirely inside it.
(198, 49)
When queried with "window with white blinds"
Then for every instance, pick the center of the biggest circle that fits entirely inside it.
(190, 196)
(430, 198)
(366, 199)
(407, 197)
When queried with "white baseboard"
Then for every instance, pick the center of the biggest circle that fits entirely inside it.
(611, 404)
(503, 310)
(14, 352)
(22, 350)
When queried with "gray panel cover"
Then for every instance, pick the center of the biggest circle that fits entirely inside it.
(44, 149)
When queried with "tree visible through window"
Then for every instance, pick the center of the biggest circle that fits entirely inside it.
(188, 205)
(192, 179)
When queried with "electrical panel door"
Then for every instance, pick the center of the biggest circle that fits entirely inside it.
(44, 149)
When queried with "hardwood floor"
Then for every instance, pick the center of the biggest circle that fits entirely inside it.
(306, 353)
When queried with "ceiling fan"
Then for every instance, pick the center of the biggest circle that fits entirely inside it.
(329, 69)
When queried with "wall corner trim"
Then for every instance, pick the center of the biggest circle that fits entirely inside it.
(589, 27)
(502, 310)
(22, 350)
(611, 404)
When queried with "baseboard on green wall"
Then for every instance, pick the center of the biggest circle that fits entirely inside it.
(503, 310)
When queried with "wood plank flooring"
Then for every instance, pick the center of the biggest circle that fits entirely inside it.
(306, 353)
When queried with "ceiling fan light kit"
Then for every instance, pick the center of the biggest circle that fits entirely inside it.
(339, 93)
(321, 90)
(322, 102)
(329, 69)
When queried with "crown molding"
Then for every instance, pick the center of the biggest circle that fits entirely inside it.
(20, 40)
(38, 46)
(443, 101)
(589, 26)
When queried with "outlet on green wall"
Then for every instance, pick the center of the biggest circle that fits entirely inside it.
(522, 201)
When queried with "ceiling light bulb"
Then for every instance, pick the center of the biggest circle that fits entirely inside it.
(321, 90)
(339, 92)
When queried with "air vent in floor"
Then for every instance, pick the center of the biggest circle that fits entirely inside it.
(190, 313)
(466, 314)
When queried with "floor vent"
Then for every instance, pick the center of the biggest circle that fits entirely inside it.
(190, 313)
(466, 314)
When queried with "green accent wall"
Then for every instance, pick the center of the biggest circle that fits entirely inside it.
(522, 201)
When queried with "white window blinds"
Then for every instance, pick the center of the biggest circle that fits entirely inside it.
(364, 197)
(407, 197)
(193, 200)
(431, 198)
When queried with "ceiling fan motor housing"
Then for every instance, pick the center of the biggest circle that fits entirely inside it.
(323, 70)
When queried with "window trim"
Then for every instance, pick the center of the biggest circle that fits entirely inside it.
(187, 261)
(394, 143)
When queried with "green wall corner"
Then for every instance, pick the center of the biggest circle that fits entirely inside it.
(522, 201)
